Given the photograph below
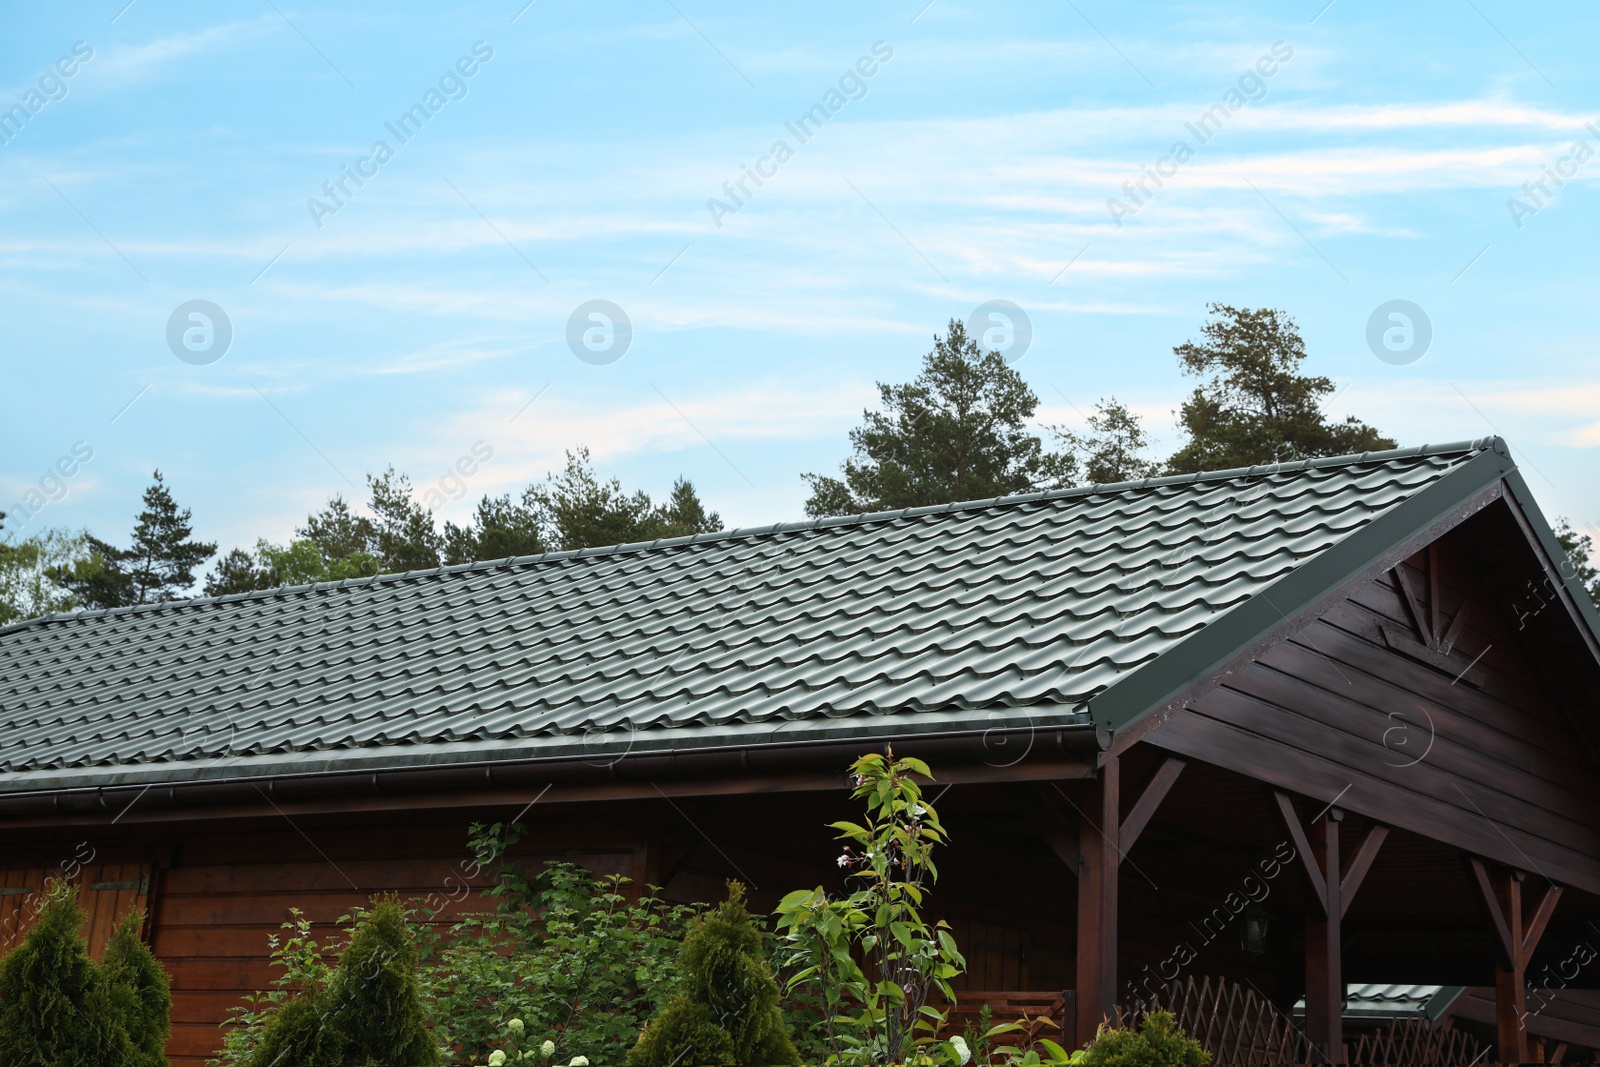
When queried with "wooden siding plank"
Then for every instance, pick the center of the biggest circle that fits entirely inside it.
(1357, 758)
(1222, 744)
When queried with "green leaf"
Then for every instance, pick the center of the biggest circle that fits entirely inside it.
(1054, 1049)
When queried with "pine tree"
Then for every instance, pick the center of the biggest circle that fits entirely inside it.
(158, 566)
(139, 991)
(958, 432)
(727, 1013)
(684, 514)
(339, 533)
(572, 510)
(235, 572)
(163, 557)
(55, 1008)
(504, 527)
(1580, 562)
(581, 511)
(1255, 406)
(403, 536)
(1113, 447)
(96, 579)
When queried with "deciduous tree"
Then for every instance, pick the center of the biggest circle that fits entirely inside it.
(26, 587)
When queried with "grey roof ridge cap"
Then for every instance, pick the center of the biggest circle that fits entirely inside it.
(1452, 491)
(1494, 443)
(1474, 445)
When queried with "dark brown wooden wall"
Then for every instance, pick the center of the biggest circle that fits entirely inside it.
(1338, 712)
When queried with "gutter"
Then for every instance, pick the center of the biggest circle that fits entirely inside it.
(1008, 755)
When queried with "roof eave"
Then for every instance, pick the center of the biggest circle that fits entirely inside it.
(1034, 736)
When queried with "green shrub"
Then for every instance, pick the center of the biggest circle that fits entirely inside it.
(305, 973)
(140, 992)
(726, 1012)
(294, 1035)
(374, 1004)
(55, 1008)
(366, 1012)
(1157, 1043)
(563, 951)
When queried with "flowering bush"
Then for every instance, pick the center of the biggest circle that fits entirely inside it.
(516, 1049)
(562, 951)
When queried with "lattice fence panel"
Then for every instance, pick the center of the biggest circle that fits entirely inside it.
(1416, 1043)
(1235, 1024)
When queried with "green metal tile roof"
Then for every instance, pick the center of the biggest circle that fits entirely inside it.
(1066, 608)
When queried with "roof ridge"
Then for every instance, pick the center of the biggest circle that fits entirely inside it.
(1475, 445)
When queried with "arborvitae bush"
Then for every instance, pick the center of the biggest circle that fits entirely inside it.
(139, 991)
(296, 1036)
(726, 1012)
(375, 1001)
(55, 1009)
(369, 1015)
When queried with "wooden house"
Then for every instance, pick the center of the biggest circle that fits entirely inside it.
(1292, 727)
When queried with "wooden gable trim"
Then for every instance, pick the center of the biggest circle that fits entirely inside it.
(1552, 573)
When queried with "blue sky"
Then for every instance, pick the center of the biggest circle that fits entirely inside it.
(419, 313)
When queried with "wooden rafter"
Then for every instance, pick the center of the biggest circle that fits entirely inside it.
(1155, 790)
(1360, 864)
(1302, 849)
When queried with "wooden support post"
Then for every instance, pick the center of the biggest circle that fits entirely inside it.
(1332, 887)
(1516, 936)
(1324, 960)
(1510, 1000)
(1094, 851)
(1100, 825)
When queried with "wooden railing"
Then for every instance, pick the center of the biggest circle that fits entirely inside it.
(1048, 1014)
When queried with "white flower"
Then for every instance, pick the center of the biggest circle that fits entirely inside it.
(496, 1058)
(844, 860)
(548, 1048)
(579, 1061)
(515, 1026)
(959, 1043)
